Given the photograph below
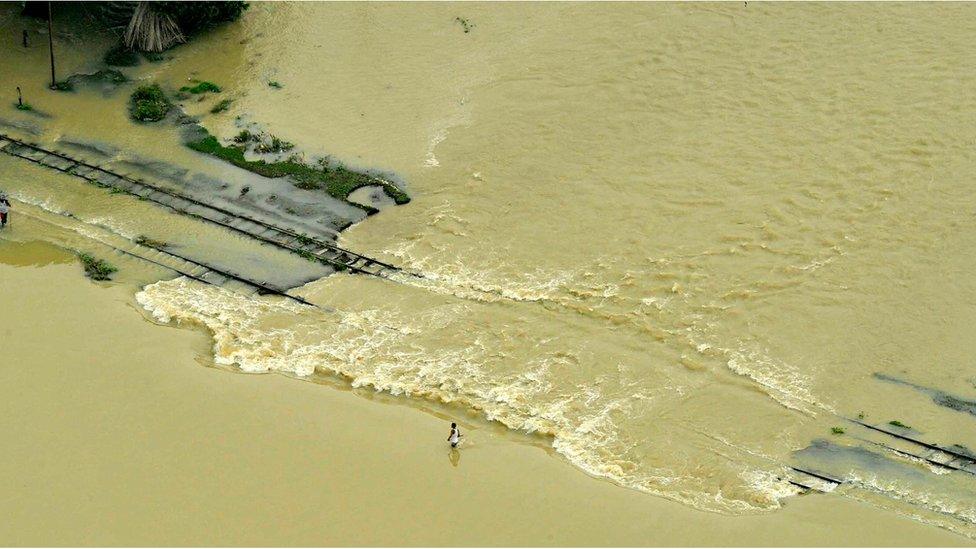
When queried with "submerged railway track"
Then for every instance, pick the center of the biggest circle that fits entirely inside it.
(310, 247)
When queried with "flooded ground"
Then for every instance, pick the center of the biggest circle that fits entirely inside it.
(681, 263)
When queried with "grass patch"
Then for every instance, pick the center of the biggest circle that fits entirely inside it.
(837, 430)
(897, 423)
(120, 56)
(149, 104)
(96, 269)
(275, 84)
(25, 106)
(201, 87)
(335, 179)
(144, 240)
(222, 106)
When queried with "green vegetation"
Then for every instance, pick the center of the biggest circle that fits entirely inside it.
(837, 430)
(96, 269)
(222, 106)
(149, 104)
(193, 17)
(201, 87)
(157, 26)
(274, 146)
(465, 24)
(860, 415)
(121, 56)
(275, 84)
(246, 136)
(897, 423)
(144, 240)
(334, 179)
(304, 239)
(25, 106)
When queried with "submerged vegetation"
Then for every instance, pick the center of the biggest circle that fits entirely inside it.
(105, 76)
(465, 24)
(201, 87)
(96, 269)
(111, 76)
(64, 85)
(335, 179)
(221, 106)
(897, 423)
(274, 146)
(121, 56)
(149, 103)
(144, 240)
(275, 84)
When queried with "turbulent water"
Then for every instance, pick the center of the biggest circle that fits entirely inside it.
(680, 240)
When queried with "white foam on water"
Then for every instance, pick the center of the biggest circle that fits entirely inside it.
(374, 349)
(961, 513)
(784, 383)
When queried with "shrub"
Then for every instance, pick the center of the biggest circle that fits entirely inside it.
(837, 430)
(197, 16)
(244, 137)
(96, 269)
(149, 103)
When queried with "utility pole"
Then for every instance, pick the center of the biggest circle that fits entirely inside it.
(50, 43)
(20, 98)
(25, 38)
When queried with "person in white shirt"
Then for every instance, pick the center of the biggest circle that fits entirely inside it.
(455, 436)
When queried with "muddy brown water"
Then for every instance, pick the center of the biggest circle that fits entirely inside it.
(676, 242)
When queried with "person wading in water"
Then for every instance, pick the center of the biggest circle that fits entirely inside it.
(4, 210)
(455, 436)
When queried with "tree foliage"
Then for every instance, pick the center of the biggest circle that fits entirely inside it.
(197, 16)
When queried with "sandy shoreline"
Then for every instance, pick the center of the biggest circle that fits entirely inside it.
(116, 433)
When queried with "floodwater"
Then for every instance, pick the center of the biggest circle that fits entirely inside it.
(676, 243)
